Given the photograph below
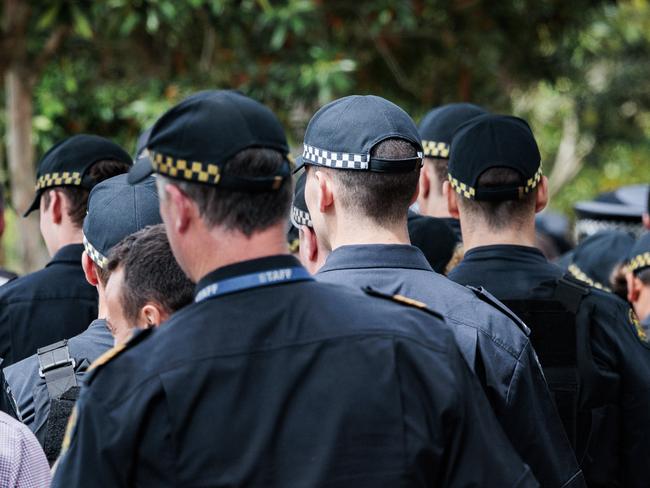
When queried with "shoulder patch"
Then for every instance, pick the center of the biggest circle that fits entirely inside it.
(402, 300)
(640, 331)
(137, 337)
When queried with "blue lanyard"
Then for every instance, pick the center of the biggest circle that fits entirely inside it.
(253, 280)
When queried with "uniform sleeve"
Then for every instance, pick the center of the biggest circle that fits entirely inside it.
(449, 422)
(533, 425)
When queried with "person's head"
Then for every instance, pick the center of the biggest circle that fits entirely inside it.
(638, 277)
(223, 175)
(495, 177)
(362, 156)
(311, 252)
(145, 284)
(436, 131)
(65, 176)
(116, 209)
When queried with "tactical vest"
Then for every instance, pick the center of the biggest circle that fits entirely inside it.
(554, 336)
(58, 369)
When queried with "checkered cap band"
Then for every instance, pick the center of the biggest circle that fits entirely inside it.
(66, 178)
(577, 273)
(639, 262)
(462, 189)
(98, 258)
(468, 191)
(587, 227)
(300, 217)
(323, 157)
(435, 149)
(185, 170)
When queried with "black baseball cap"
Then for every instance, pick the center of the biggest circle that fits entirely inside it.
(299, 212)
(494, 141)
(116, 210)
(67, 163)
(434, 238)
(439, 124)
(640, 254)
(193, 140)
(343, 132)
(595, 258)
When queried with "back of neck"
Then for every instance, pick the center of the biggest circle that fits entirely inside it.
(219, 249)
(359, 232)
(481, 235)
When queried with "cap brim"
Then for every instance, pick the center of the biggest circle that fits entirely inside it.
(140, 170)
(300, 163)
(36, 204)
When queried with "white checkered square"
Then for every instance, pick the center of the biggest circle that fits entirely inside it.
(300, 218)
(323, 157)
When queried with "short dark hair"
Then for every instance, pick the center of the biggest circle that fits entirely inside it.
(382, 197)
(500, 214)
(151, 274)
(243, 211)
(78, 197)
(440, 169)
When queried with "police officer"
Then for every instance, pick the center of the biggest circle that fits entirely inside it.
(115, 210)
(270, 378)
(56, 302)
(436, 130)
(362, 156)
(595, 363)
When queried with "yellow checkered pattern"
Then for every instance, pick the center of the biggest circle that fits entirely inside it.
(462, 188)
(534, 181)
(435, 149)
(467, 191)
(577, 273)
(639, 261)
(58, 179)
(186, 170)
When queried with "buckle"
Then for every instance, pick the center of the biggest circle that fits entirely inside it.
(53, 357)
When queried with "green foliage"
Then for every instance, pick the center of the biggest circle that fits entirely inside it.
(124, 62)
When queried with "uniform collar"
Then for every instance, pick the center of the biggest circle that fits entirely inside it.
(376, 256)
(246, 267)
(68, 254)
(506, 251)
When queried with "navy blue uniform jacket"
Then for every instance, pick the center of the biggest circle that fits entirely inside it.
(618, 393)
(496, 347)
(298, 384)
(44, 307)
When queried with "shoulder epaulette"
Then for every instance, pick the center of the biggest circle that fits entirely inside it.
(138, 336)
(402, 300)
(483, 295)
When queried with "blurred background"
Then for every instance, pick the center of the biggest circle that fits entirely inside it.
(578, 70)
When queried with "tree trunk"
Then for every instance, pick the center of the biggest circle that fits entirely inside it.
(19, 105)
